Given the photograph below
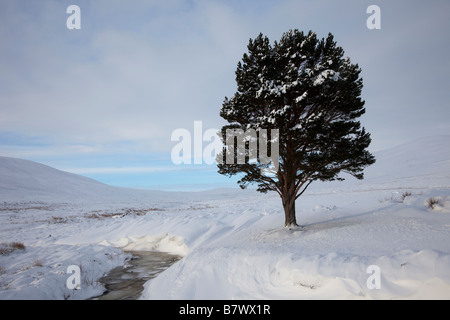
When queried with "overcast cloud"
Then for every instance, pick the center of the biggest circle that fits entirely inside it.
(110, 95)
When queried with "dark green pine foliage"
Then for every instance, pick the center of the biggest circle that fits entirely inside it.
(304, 87)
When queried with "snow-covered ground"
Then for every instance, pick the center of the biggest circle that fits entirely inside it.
(233, 241)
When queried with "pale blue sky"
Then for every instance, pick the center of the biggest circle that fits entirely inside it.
(103, 101)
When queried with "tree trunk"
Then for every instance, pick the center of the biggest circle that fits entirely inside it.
(289, 211)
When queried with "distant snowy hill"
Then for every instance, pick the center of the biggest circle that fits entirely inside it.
(420, 163)
(425, 158)
(24, 180)
(27, 180)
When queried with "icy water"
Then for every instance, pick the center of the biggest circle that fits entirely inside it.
(126, 282)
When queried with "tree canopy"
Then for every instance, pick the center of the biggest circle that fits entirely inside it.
(306, 89)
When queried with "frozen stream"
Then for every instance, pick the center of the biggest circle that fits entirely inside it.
(126, 282)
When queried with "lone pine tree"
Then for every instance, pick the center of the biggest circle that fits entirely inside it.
(304, 87)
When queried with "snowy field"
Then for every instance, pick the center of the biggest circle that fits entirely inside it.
(233, 242)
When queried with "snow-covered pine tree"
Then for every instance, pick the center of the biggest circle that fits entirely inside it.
(304, 87)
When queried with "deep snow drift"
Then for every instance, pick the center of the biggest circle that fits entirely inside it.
(232, 241)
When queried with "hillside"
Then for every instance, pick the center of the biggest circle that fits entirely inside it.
(420, 163)
(24, 180)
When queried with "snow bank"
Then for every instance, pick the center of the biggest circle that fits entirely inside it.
(251, 274)
(164, 243)
(41, 272)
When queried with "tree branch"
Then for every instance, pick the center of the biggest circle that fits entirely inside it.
(310, 181)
